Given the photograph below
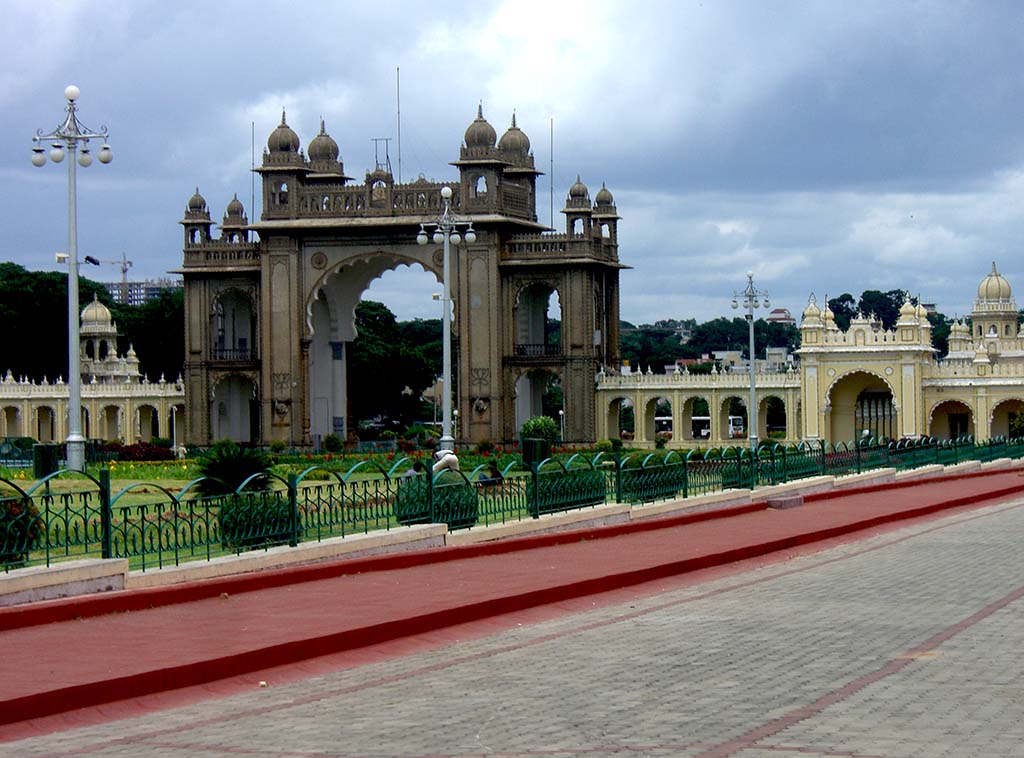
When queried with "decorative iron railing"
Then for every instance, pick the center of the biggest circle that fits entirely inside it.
(153, 527)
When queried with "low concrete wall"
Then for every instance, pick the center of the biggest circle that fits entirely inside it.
(418, 537)
(866, 478)
(699, 504)
(549, 523)
(64, 579)
(925, 472)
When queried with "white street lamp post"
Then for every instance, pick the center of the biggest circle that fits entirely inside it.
(72, 135)
(561, 424)
(446, 232)
(749, 299)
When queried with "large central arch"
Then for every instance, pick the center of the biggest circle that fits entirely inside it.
(861, 400)
(330, 320)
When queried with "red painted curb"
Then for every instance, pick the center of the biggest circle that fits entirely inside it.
(86, 606)
(65, 699)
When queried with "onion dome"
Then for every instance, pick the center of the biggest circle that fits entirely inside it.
(197, 203)
(235, 209)
(578, 191)
(603, 197)
(283, 139)
(515, 140)
(323, 147)
(96, 313)
(907, 310)
(480, 133)
(812, 311)
(922, 312)
(994, 286)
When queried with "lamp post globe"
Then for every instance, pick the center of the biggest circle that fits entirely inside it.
(751, 298)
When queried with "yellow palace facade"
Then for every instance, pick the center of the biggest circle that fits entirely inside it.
(889, 382)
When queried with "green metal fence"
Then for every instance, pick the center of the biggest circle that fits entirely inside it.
(153, 527)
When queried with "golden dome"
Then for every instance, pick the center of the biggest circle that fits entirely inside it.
(96, 313)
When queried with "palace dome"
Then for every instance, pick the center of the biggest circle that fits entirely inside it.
(578, 191)
(514, 139)
(994, 287)
(283, 139)
(235, 208)
(604, 196)
(197, 203)
(323, 147)
(96, 313)
(480, 133)
(812, 311)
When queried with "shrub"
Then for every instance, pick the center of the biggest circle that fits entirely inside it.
(603, 446)
(616, 444)
(540, 427)
(661, 439)
(332, 444)
(161, 442)
(228, 465)
(388, 434)
(145, 451)
(20, 528)
(484, 447)
(420, 431)
(277, 446)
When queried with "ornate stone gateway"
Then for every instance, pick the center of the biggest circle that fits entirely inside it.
(268, 319)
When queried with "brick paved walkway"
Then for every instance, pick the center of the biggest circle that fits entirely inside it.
(800, 659)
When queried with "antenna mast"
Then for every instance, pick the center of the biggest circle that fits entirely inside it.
(252, 171)
(376, 153)
(551, 174)
(398, 94)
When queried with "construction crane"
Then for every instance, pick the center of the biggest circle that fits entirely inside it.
(125, 264)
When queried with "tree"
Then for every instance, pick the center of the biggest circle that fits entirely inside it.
(156, 329)
(843, 308)
(884, 305)
(386, 375)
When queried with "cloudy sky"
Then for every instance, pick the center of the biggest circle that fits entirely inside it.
(827, 146)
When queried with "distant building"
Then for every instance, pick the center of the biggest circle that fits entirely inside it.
(781, 316)
(118, 401)
(140, 292)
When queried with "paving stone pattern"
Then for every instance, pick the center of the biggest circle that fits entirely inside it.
(904, 644)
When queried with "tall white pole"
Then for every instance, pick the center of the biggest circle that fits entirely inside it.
(75, 441)
(753, 394)
(447, 442)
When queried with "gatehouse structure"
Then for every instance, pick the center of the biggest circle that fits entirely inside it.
(270, 305)
(886, 382)
(118, 402)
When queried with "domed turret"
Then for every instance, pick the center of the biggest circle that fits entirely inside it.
(907, 311)
(812, 311)
(323, 147)
(197, 203)
(515, 140)
(480, 133)
(578, 191)
(283, 139)
(96, 313)
(603, 197)
(994, 287)
(235, 210)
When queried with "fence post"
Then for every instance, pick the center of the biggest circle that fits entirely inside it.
(293, 511)
(430, 495)
(618, 477)
(824, 465)
(535, 484)
(105, 537)
(856, 444)
(686, 476)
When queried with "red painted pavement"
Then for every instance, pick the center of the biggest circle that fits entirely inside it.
(57, 667)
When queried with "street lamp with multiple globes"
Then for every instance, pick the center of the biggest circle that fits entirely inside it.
(750, 300)
(446, 232)
(73, 136)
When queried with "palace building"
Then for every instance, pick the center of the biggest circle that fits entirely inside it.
(118, 402)
(889, 383)
(270, 305)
